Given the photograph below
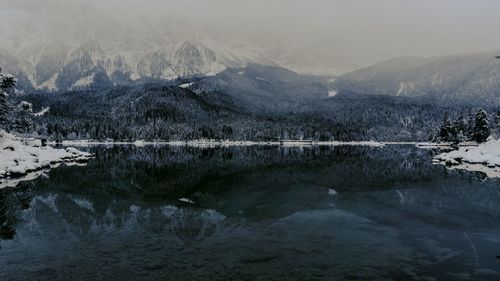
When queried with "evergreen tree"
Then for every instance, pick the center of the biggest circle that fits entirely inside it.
(482, 126)
(22, 122)
(471, 120)
(496, 126)
(7, 82)
(446, 130)
(460, 128)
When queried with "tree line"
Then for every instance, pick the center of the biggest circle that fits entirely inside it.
(15, 114)
(476, 127)
(161, 112)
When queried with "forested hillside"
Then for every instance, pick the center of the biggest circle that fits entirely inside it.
(261, 88)
(451, 79)
(165, 112)
(259, 103)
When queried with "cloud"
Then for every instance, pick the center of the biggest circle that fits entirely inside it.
(405, 27)
(335, 31)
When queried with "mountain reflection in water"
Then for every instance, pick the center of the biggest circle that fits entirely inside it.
(252, 213)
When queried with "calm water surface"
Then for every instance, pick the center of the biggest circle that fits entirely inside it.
(258, 213)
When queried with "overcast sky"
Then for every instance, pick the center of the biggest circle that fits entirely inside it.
(333, 29)
(401, 26)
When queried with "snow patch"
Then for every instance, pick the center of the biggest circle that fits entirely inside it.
(186, 85)
(139, 143)
(332, 192)
(20, 157)
(186, 200)
(483, 158)
(85, 81)
(42, 112)
(406, 88)
(50, 85)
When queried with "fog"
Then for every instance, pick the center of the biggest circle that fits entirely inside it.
(346, 33)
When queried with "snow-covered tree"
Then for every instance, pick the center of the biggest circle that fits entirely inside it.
(482, 126)
(19, 117)
(23, 114)
(471, 120)
(7, 83)
(496, 124)
(460, 128)
(446, 130)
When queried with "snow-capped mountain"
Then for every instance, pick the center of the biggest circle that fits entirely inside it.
(59, 45)
(58, 67)
(77, 46)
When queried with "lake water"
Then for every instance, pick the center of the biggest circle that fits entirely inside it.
(257, 213)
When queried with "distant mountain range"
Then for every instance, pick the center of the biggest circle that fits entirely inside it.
(84, 48)
(57, 67)
(470, 77)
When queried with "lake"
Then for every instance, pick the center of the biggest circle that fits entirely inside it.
(252, 213)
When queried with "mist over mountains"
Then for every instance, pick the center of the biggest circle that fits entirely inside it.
(72, 45)
(144, 39)
(57, 67)
(460, 78)
(53, 54)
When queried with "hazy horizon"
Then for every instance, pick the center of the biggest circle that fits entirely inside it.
(320, 34)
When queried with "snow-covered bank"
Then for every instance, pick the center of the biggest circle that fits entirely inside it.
(482, 158)
(19, 158)
(215, 143)
(444, 145)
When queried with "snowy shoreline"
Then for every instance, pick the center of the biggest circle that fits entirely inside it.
(215, 143)
(483, 158)
(20, 158)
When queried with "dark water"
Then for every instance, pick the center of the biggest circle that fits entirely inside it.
(261, 213)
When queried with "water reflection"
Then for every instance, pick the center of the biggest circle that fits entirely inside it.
(268, 213)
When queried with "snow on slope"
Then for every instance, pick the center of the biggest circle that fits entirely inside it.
(193, 58)
(186, 85)
(75, 67)
(465, 77)
(84, 82)
(42, 112)
(125, 51)
(49, 85)
(66, 58)
(43, 38)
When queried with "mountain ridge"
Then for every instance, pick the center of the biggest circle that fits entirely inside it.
(462, 77)
(62, 68)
